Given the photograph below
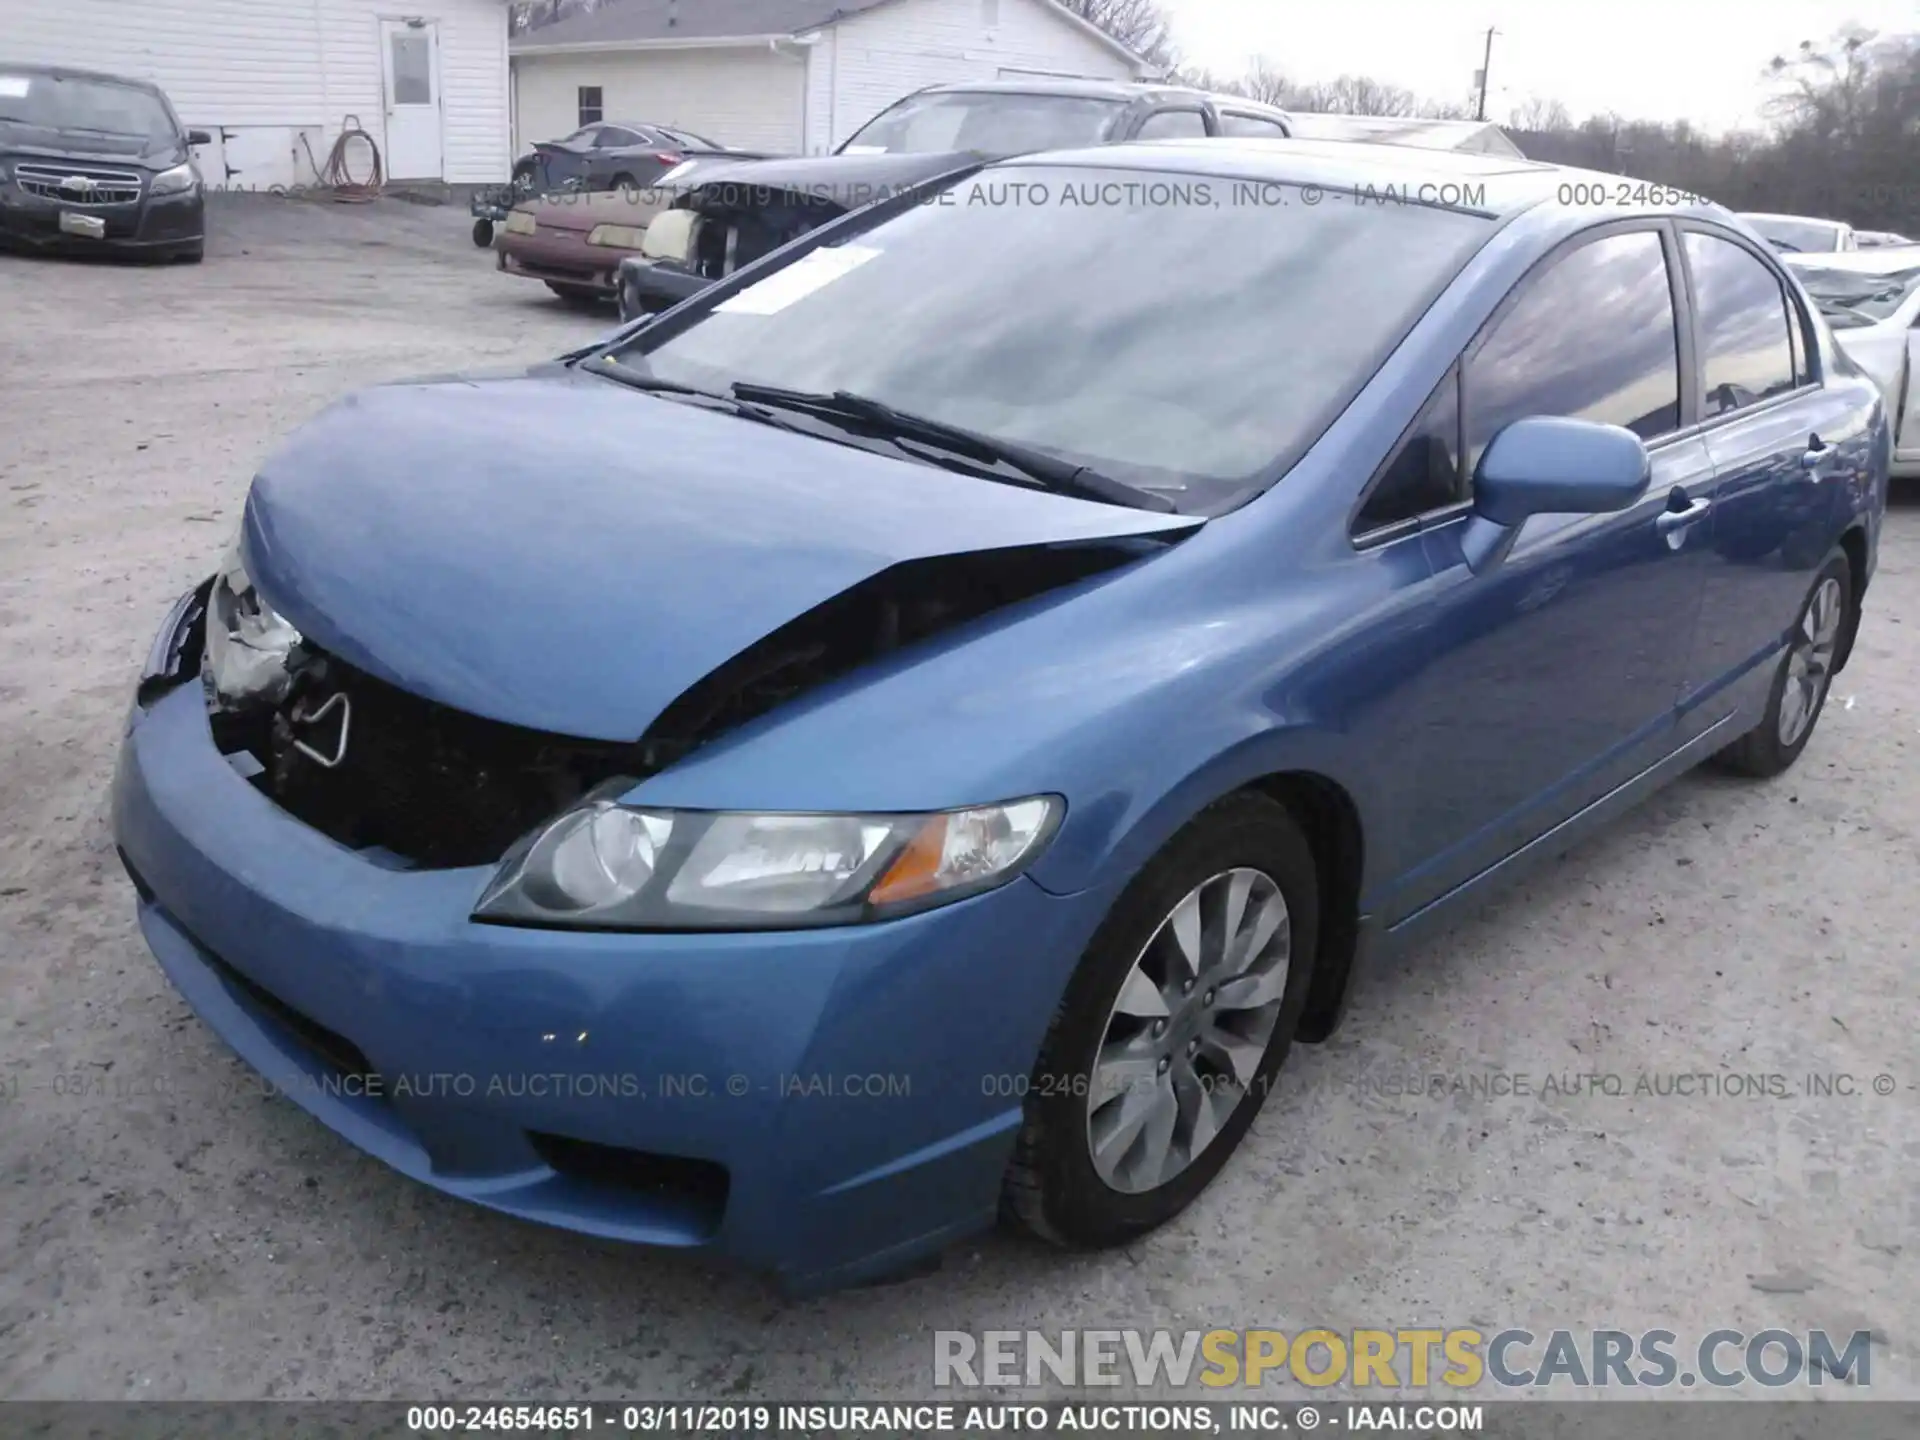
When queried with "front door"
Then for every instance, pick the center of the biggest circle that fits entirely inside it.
(1550, 679)
(410, 53)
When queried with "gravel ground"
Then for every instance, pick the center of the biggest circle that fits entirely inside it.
(175, 1234)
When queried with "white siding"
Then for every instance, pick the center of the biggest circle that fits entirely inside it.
(747, 96)
(866, 62)
(283, 73)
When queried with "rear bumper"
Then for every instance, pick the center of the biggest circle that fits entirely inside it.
(565, 261)
(153, 226)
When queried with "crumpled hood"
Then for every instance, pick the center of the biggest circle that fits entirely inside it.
(560, 552)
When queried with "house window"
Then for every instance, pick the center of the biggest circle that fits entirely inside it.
(592, 105)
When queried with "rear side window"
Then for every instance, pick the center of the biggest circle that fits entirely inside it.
(1423, 474)
(1746, 344)
(1592, 337)
(1173, 125)
(1260, 126)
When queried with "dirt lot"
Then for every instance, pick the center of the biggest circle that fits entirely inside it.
(171, 1233)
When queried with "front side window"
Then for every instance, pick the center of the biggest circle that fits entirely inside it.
(1423, 474)
(1068, 315)
(991, 122)
(1746, 350)
(1591, 337)
(592, 105)
(1174, 125)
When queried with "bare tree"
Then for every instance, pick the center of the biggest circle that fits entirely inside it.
(525, 15)
(1140, 25)
(1540, 114)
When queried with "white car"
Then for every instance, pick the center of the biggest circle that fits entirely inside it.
(1803, 234)
(1871, 299)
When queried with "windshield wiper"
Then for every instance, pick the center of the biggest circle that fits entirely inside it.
(657, 385)
(878, 417)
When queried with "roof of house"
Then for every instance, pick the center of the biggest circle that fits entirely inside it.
(644, 24)
(1480, 135)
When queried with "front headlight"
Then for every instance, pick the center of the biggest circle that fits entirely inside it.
(618, 237)
(521, 222)
(607, 866)
(177, 181)
(248, 642)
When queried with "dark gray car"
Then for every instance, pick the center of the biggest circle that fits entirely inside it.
(739, 213)
(97, 163)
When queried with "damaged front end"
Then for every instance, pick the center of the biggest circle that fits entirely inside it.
(416, 784)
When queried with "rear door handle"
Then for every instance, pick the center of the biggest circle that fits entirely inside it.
(1673, 520)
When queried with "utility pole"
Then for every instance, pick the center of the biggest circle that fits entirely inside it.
(1485, 63)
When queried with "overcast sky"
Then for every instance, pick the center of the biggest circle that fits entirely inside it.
(1646, 59)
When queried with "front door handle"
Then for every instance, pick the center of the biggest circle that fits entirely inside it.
(1675, 520)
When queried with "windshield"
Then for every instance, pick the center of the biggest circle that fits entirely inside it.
(1064, 309)
(990, 122)
(97, 106)
(1813, 237)
(1850, 298)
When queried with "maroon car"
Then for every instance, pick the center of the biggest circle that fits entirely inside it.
(575, 241)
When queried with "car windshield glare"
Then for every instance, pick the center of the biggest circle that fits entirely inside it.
(1858, 297)
(1187, 335)
(71, 103)
(990, 122)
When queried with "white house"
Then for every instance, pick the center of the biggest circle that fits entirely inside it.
(274, 81)
(786, 75)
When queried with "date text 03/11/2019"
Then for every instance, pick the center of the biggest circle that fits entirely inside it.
(930, 1418)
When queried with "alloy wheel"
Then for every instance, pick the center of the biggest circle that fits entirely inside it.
(1188, 1029)
(1810, 661)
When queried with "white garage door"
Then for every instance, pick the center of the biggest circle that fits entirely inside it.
(751, 98)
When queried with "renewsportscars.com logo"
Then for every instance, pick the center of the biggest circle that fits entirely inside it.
(1393, 1359)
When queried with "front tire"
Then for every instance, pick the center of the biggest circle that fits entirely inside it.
(1801, 684)
(483, 232)
(1176, 1021)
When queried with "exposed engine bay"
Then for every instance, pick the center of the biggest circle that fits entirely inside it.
(738, 225)
(421, 785)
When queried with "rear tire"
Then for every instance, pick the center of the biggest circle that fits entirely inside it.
(1084, 1172)
(1803, 680)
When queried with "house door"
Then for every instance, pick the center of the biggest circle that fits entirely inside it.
(410, 55)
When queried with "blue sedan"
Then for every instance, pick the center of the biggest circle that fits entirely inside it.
(916, 733)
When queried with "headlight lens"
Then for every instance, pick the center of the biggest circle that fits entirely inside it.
(178, 180)
(607, 866)
(619, 237)
(248, 642)
(521, 222)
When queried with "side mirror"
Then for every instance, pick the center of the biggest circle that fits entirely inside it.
(199, 137)
(1547, 465)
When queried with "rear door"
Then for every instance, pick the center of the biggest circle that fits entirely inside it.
(1775, 435)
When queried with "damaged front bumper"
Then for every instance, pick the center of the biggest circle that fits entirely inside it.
(830, 1105)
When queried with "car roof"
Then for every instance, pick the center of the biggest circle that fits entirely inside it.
(1127, 90)
(1875, 260)
(1505, 184)
(1795, 219)
(72, 72)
